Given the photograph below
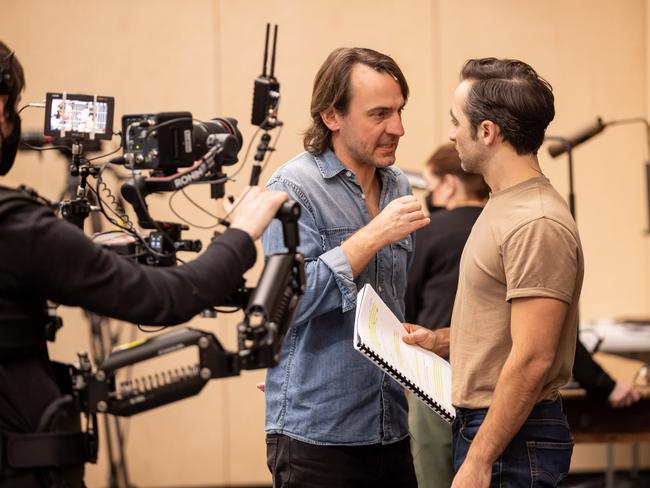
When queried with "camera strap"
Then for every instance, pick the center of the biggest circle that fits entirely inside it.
(43, 449)
(57, 443)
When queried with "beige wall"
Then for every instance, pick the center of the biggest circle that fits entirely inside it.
(202, 56)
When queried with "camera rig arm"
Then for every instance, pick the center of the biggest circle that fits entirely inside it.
(268, 315)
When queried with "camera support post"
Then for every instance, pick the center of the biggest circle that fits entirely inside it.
(78, 207)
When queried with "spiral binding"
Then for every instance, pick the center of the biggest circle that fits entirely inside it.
(406, 383)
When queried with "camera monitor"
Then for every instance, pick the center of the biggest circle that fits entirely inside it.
(79, 116)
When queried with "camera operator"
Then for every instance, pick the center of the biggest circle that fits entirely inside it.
(45, 258)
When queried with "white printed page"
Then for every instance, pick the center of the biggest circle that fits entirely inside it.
(378, 329)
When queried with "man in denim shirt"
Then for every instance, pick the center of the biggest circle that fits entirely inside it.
(333, 418)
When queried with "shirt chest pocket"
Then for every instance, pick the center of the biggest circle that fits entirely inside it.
(335, 236)
(400, 252)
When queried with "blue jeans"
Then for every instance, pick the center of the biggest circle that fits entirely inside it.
(538, 456)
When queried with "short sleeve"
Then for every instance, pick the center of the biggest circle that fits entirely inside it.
(541, 259)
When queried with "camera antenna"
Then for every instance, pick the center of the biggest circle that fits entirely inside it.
(275, 41)
(266, 52)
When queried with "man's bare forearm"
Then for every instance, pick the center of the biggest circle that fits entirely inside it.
(361, 248)
(516, 392)
(522, 376)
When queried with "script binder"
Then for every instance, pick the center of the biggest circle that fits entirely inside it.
(378, 336)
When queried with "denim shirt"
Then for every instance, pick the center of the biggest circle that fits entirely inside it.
(324, 391)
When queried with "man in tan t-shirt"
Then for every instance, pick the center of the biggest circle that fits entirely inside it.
(514, 324)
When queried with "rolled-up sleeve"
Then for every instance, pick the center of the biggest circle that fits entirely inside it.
(337, 261)
(329, 282)
(541, 259)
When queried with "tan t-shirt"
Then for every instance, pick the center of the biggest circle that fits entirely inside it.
(524, 244)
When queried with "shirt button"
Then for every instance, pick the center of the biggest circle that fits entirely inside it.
(348, 173)
(381, 288)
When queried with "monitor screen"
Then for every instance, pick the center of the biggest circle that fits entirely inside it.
(84, 116)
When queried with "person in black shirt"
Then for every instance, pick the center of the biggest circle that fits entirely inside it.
(598, 384)
(431, 290)
(45, 258)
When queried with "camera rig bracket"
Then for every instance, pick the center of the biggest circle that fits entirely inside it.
(268, 312)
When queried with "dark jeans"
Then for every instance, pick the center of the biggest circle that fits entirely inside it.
(538, 456)
(299, 464)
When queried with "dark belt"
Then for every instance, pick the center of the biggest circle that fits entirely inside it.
(45, 449)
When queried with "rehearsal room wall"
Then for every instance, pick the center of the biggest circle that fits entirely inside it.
(203, 55)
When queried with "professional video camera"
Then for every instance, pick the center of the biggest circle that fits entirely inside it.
(166, 152)
(166, 142)
(177, 151)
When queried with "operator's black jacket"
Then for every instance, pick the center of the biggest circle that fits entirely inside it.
(44, 258)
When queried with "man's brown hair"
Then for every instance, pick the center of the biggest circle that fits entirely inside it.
(511, 94)
(332, 89)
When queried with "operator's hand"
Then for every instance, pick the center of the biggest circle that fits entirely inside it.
(436, 341)
(623, 395)
(254, 210)
(398, 219)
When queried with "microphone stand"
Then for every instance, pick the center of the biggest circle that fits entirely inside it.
(569, 150)
(569, 144)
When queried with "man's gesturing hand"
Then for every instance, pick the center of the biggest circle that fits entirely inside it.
(398, 219)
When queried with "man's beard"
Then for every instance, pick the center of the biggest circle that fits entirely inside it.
(471, 163)
(466, 165)
(370, 159)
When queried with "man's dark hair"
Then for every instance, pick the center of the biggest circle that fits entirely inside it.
(332, 89)
(445, 161)
(513, 96)
(12, 79)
